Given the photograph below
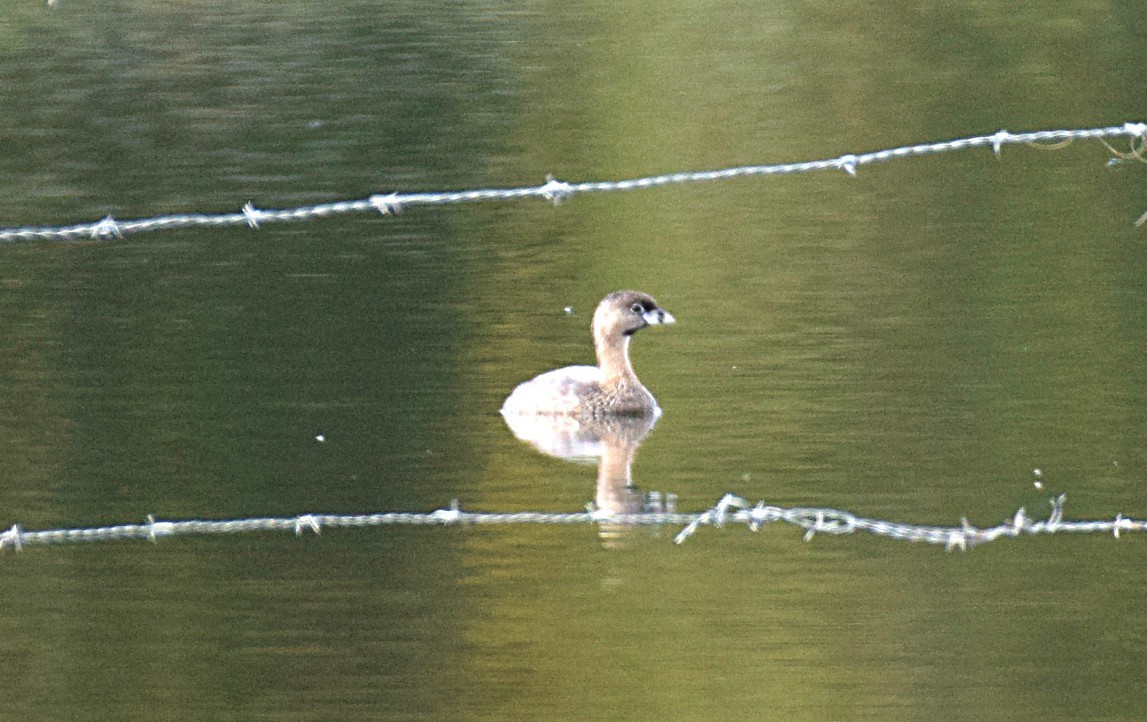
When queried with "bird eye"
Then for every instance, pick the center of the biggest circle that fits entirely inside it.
(637, 308)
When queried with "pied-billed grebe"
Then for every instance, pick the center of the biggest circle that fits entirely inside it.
(608, 389)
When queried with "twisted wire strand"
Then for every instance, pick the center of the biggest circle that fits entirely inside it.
(729, 510)
(557, 191)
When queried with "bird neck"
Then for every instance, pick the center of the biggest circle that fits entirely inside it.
(613, 359)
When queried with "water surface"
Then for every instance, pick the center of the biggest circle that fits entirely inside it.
(907, 344)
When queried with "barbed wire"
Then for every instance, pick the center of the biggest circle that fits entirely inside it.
(557, 191)
(729, 510)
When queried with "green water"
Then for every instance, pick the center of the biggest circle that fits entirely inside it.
(907, 344)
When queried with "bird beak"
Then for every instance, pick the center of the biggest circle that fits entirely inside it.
(658, 317)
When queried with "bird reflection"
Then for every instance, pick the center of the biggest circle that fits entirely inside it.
(611, 442)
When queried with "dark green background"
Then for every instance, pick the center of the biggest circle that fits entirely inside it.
(907, 344)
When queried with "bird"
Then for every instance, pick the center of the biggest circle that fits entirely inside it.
(609, 389)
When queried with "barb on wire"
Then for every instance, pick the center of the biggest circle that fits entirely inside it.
(556, 191)
(729, 510)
